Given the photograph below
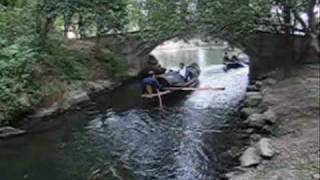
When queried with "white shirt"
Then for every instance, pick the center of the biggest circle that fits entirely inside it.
(182, 72)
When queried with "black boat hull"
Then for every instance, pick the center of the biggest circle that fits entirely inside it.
(233, 66)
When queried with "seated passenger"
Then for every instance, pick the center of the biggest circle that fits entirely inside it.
(189, 75)
(226, 58)
(234, 59)
(188, 72)
(182, 70)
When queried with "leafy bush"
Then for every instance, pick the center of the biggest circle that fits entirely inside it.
(16, 85)
(18, 54)
(69, 64)
(115, 64)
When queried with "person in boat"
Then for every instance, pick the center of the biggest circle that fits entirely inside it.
(182, 70)
(226, 58)
(150, 84)
(185, 72)
(227, 61)
(234, 59)
(152, 65)
(190, 71)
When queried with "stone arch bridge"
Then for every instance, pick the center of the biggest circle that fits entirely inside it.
(267, 51)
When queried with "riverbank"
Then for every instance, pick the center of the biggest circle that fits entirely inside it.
(281, 117)
(66, 77)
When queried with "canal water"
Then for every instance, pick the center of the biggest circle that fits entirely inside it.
(118, 136)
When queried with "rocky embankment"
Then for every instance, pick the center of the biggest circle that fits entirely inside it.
(71, 99)
(63, 81)
(281, 116)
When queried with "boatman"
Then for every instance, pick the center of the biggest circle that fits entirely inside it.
(150, 84)
(152, 65)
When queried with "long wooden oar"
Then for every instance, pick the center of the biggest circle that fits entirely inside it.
(156, 94)
(160, 99)
(195, 89)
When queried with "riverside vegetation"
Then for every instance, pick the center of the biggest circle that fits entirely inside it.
(36, 71)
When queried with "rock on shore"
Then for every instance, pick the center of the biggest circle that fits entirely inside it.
(253, 99)
(8, 131)
(265, 148)
(250, 157)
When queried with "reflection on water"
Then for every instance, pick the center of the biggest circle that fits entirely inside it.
(120, 137)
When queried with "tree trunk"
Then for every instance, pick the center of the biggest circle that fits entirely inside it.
(313, 31)
(98, 33)
(311, 15)
(47, 25)
(66, 27)
(66, 18)
(287, 18)
(81, 27)
(310, 29)
(314, 43)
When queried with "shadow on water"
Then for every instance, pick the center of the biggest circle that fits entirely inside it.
(121, 137)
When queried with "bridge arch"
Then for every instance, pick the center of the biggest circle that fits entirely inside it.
(267, 51)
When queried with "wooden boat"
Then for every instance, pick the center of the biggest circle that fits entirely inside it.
(235, 62)
(173, 82)
(232, 65)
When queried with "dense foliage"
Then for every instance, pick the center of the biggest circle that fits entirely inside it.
(231, 20)
(33, 50)
(18, 53)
